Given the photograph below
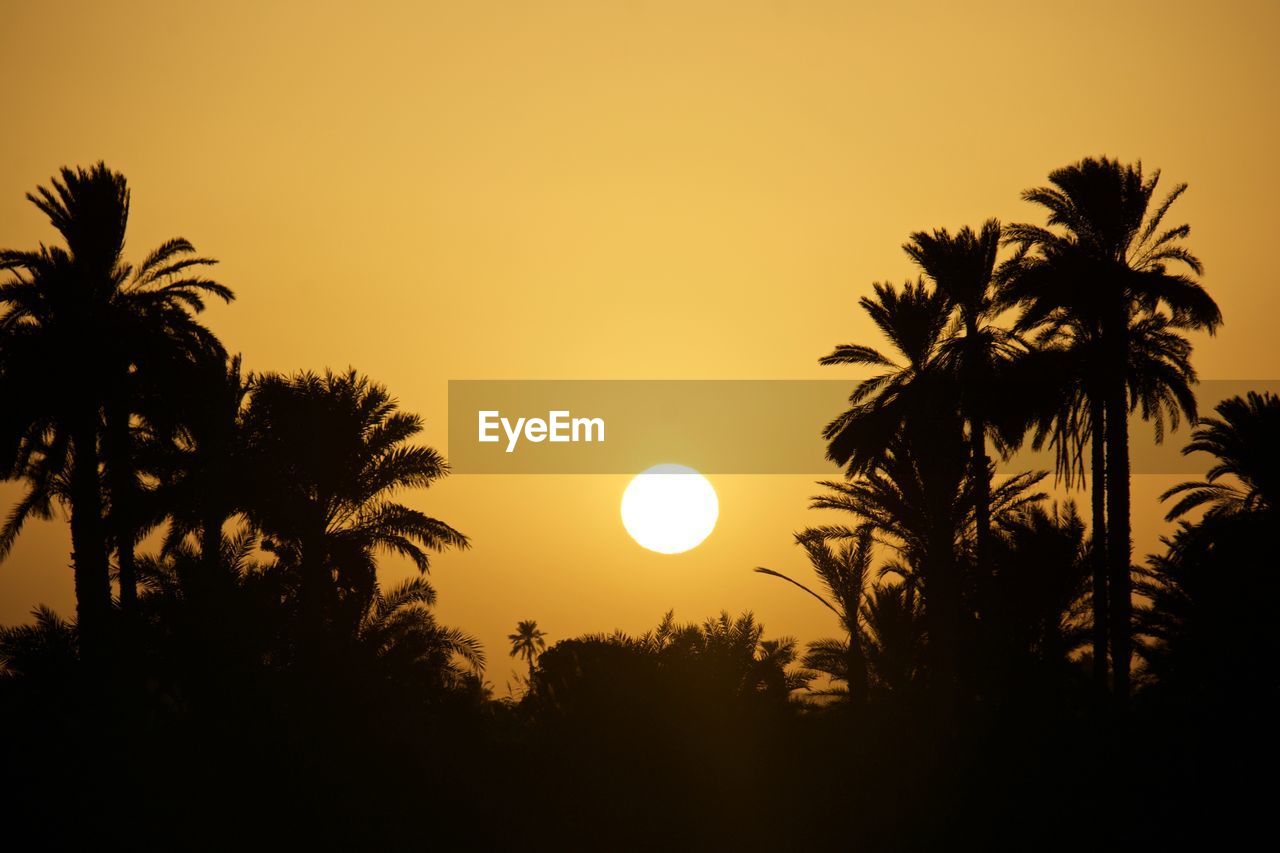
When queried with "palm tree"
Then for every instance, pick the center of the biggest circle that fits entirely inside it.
(78, 323)
(1243, 438)
(895, 641)
(324, 457)
(527, 642)
(200, 456)
(1104, 261)
(1060, 383)
(962, 267)
(1042, 574)
(46, 649)
(844, 576)
(919, 501)
(400, 630)
(913, 320)
(774, 677)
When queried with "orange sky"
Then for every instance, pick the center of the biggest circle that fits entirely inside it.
(428, 191)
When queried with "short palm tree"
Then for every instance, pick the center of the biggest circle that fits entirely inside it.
(325, 456)
(528, 642)
(401, 631)
(844, 573)
(199, 456)
(895, 641)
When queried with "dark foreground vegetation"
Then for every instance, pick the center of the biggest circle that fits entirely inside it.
(1007, 675)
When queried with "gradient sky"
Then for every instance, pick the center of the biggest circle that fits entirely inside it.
(435, 191)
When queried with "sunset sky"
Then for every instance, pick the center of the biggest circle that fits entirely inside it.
(431, 191)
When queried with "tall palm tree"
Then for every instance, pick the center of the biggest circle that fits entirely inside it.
(844, 573)
(324, 457)
(1243, 438)
(962, 267)
(1104, 260)
(1060, 383)
(528, 642)
(76, 322)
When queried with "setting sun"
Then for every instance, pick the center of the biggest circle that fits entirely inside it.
(670, 509)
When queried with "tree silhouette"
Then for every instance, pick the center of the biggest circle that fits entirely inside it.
(962, 267)
(844, 573)
(1060, 382)
(527, 642)
(913, 320)
(1243, 438)
(81, 329)
(1037, 619)
(325, 454)
(200, 457)
(919, 501)
(1104, 262)
(404, 638)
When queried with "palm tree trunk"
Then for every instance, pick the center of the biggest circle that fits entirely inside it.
(979, 378)
(941, 617)
(88, 542)
(1119, 547)
(120, 478)
(982, 493)
(1098, 548)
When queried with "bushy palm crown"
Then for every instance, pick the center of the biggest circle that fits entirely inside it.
(327, 455)
(1103, 255)
(528, 641)
(913, 320)
(401, 631)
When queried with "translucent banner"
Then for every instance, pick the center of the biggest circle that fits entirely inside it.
(715, 426)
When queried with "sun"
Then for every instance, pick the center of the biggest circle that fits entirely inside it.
(670, 508)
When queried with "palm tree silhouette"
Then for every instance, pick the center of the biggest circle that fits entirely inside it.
(1043, 571)
(1060, 383)
(913, 320)
(78, 324)
(895, 636)
(1104, 262)
(324, 456)
(201, 456)
(919, 501)
(844, 575)
(962, 267)
(400, 630)
(1243, 438)
(527, 642)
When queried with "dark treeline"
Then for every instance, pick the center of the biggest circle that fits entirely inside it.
(1006, 673)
